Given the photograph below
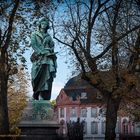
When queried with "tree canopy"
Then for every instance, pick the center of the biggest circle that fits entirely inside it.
(16, 20)
(104, 37)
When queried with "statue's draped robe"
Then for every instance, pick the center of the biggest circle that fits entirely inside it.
(43, 62)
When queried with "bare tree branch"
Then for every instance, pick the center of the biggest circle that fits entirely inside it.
(134, 58)
(118, 39)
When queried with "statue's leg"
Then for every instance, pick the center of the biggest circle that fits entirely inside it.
(36, 95)
(46, 95)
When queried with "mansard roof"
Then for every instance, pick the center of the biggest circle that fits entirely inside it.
(78, 88)
(86, 95)
(77, 82)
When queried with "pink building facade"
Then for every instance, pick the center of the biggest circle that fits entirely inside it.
(82, 101)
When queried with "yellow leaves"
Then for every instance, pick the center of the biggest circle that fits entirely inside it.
(16, 99)
(53, 103)
(15, 130)
(16, 104)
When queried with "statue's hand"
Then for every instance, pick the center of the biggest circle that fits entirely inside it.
(52, 55)
(34, 57)
(45, 51)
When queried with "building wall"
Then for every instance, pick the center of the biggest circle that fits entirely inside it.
(88, 118)
(124, 125)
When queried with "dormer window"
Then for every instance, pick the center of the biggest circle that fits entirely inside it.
(83, 95)
(99, 96)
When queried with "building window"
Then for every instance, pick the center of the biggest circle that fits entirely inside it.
(125, 126)
(94, 127)
(138, 129)
(83, 95)
(125, 129)
(83, 112)
(99, 96)
(73, 112)
(103, 127)
(93, 112)
(61, 112)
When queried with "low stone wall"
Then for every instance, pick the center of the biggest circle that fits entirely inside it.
(23, 137)
(129, 137)
(9, 137)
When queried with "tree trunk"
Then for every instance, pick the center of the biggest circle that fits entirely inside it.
(4, 120)
(111, 118)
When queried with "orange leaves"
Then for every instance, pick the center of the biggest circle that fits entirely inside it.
(130, 79)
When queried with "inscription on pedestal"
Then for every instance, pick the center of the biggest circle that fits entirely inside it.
(38, 110)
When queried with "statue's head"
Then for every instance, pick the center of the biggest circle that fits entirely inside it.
(45, 21)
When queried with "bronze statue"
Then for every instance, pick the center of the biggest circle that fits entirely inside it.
(43, 61)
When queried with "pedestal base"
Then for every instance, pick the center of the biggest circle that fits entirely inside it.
(39, 131)
(37, 122)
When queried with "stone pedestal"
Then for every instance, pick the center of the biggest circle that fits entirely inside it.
(37, 122)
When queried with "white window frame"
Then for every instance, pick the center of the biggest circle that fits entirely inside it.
(117, 128)
(103, 125)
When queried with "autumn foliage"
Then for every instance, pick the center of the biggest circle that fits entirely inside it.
(17, 99)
